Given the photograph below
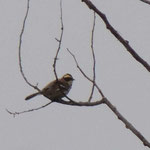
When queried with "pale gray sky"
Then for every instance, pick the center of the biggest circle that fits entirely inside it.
(123, 80)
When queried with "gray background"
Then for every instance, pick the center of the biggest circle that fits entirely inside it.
(124, 81)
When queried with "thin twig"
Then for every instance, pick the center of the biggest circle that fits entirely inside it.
(124, 42)
(29, 110)
(127, 123)
(59, 41)
(94, 60)
(100, 91)
(104, 100)
(58, 49)
(146, 1)
(21, 68)
(20, 46)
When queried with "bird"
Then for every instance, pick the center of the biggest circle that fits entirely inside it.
(56, 89)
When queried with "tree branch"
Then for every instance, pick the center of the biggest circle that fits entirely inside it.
(59, 41)
(146, 1)
(100, 91)
(115, 111)
(58, 49)
(124, 42)
(127, 123)
(29, 110)
(74, 103)
(20, 47)
(94, 60)
(113, 108)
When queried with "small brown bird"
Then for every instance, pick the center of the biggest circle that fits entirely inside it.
(56, 90)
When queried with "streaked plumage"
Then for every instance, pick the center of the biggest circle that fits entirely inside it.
(56, 89)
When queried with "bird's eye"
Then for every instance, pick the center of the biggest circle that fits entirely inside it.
(68, 79)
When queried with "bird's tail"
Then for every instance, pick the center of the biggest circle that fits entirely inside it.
(32, 95)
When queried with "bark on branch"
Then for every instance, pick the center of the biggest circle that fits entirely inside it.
(71, 102)
(124, 42)
(146, 1)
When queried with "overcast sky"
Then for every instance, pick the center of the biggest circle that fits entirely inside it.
(123, 80)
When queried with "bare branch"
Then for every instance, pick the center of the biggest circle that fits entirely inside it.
(29, 110)
(21, 68)
(124, 42)
(20, 46)
(20, 62)
(59, 46)
(127, 123)
(146, 1)
(99, 102)
(94, 60)
(113, 108)
(116, 112)
(85, 74)
(74, 103)
(58, 40)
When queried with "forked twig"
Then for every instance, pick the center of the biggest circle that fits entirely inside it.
(58, 50)
(100, 91)
(29, 110)
(20, 65)
(113, 108)
(59, 41)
